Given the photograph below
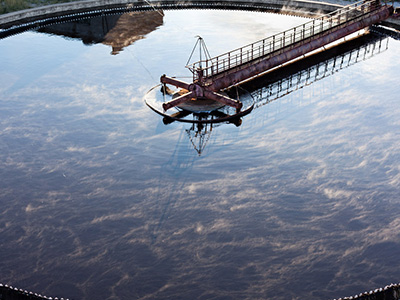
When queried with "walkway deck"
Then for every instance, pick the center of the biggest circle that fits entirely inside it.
(217, 73)
(250, 60)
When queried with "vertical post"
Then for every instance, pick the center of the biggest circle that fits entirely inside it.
(195, 72)
(200, 75)
(313, 27)
(273, 43)
(200, 39)
(294, 34)
(373, 49)
(263, 47)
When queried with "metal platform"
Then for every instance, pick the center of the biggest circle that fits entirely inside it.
(213, 75)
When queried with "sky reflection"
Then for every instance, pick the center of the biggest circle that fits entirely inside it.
(100, 200)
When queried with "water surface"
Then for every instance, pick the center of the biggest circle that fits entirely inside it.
(101, 200)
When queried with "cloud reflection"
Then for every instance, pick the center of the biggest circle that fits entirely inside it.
(299, 202)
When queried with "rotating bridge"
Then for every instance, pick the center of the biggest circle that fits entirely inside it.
(212, 75)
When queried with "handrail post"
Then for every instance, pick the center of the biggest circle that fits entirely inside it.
(200, 74)
(273, 43)
(313, 27)
(263, 47)
(294, 29)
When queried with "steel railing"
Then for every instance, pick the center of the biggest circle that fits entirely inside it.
(262, 48)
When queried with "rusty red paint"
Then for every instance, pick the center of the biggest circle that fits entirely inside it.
(200, 89)
(246, 72)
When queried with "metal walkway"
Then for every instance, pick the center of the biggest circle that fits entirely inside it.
(220, 65)
(217, 73)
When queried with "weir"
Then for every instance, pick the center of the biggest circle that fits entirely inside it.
(212, 75)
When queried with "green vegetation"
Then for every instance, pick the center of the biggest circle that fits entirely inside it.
(12, 5)
(7, 6)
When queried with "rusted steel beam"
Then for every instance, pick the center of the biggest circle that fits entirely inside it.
(174, 102)
(207, 94)
(175, 82)
(196, 91)
(232, 78)
(199, 90)
(223, 99)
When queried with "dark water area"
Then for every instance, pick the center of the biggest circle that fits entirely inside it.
(99, 199)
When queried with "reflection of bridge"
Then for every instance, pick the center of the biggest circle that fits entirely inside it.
(214, 74)
(276, 86)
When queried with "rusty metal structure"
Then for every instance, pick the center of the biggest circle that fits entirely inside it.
(212, 75)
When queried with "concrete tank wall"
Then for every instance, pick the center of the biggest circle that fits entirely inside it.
(30, 15)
